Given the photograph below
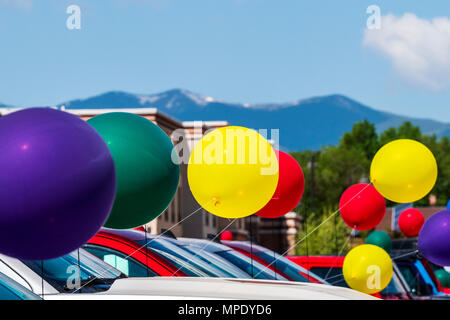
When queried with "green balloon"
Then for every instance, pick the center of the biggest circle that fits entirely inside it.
(443, 277)
(380, 239)
(147, 178)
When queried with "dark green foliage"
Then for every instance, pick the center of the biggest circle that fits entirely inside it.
(331, 170)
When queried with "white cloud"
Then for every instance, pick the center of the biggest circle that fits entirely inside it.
(23, 4)
(419, 49)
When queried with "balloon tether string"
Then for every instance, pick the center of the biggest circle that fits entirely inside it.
(146, 254)
(251, 246)
(207, 243)
(315, 229)
(138, 249)
(42, 277)
(79, 267)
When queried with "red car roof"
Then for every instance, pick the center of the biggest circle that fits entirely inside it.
(318, 261)
(125, 241)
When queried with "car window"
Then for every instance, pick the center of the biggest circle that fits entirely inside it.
(181, 265)
(410, 277)
(166, 246)
(244, 263)
(126, 264)
(333, 275)
(290, 269)
(63, 271)
(217, 262)
(394, 288)
(11, 290)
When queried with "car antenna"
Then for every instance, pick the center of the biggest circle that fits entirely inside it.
(168, 233)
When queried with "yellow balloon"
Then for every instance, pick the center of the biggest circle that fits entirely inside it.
(233, 172)
(403, 171)
(367, 268)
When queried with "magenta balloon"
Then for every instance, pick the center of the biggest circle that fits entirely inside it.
(57, 183)
(434, 238)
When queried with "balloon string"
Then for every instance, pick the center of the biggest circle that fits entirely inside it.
(163, 233)
(42, 277)
(251, 246)
(146, 256)
(405, 255)
(333, 277)
(158, 236)
(79, 266)
(335, 236)
(307, 246)
(207, 243)
(274, 257)
(315, 229)
(337, 256)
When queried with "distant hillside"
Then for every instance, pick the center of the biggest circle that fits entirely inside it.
(4, 105)
(303, 124)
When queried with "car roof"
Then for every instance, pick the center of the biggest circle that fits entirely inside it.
(205, 244)
(335, 261)
(246, 246)
(129, 234)
(231, 289)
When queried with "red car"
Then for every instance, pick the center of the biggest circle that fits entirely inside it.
(330, 268)
(274, 261)
(124, 249)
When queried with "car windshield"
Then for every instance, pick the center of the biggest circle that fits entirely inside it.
(394, 288)
(63, 272)
(181, 265)
(335, 277)
(11, 290)
(287, 267)
(246, 264)
(217, 262)
(166, 246)
(126, 264)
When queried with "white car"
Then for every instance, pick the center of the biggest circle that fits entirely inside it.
(11, 290)
(181, 288)
(54, 280)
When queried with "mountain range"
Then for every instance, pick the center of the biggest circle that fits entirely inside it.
(304, 124)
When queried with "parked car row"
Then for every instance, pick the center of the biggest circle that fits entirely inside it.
(56, 279)
(413, 277)
(130, 264)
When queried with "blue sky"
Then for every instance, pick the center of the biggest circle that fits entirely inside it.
(247, 51)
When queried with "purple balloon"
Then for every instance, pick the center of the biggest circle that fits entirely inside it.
(434, 238)
(57, 183)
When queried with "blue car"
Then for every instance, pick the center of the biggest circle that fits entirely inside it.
(417, 277)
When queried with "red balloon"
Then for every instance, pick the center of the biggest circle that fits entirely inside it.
(226, 236)
(410, 222)
(362, 207)
(289, 191)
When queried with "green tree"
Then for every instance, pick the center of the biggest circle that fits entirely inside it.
(441, 150)
(405, 131)
(331, 238)
(331, 170)
(363, 137)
